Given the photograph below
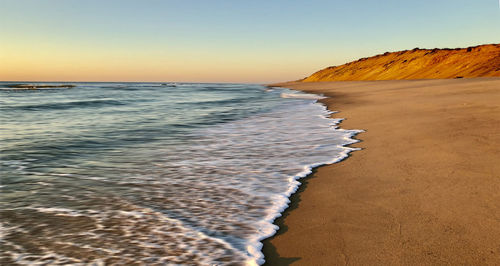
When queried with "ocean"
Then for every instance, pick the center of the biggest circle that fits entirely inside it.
(152, 173)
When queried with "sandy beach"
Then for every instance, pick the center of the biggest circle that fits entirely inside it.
(424, 189)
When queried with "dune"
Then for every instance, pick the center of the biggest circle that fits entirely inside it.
(424, 188)
(471, 62)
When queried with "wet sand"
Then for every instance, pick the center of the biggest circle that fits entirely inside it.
(424, 189)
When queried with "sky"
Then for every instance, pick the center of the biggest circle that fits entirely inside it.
(224, 40)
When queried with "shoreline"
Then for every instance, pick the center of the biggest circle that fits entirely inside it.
(393, 205)
(269, 252)
(298, 180)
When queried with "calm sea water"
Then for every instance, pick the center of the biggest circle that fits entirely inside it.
(153, 173)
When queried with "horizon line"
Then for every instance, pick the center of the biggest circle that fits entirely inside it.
(75, 81)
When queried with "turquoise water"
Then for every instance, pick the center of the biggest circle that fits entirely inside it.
(153, 173)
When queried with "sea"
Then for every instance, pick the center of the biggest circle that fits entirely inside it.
(153, 173)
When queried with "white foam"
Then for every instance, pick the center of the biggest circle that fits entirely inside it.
(308, 129)
(301, 96)
(57, 211)
(281, 201)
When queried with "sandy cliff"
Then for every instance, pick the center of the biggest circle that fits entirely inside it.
(478, 61)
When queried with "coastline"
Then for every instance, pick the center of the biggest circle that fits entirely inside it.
(424, 189)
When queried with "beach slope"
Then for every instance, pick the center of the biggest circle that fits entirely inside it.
(424, 189)
(471, 62)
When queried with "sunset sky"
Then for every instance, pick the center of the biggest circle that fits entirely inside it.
(223, 41)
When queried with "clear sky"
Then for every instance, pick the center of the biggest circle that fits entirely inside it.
(224, 40)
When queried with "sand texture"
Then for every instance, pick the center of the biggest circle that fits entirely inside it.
(424, 189)
(478, 61)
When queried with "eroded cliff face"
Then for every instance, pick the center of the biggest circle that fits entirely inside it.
(478, 61)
